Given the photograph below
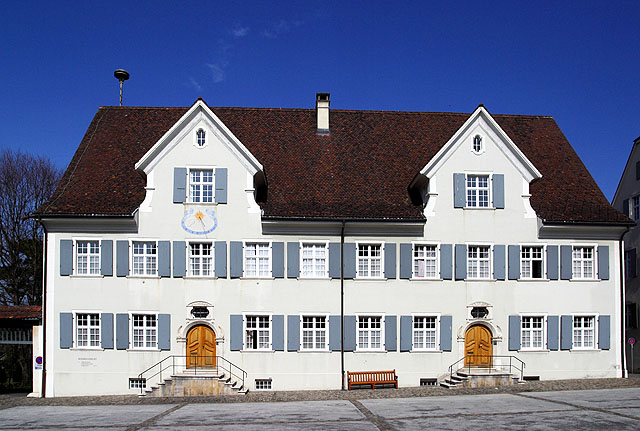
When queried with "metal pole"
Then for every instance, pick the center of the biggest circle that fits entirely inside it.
(121, 82)
(342, 303)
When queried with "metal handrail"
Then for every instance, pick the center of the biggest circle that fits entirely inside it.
(491, 364)
(161, 366)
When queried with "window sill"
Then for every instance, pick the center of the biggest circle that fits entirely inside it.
(425, 279)
(257, 278)
(200, 277)
(369, 279)
(370, 351)
(201, 203)
(314, 278)
(529, 280)
(480, 208)
(258, 351)
(144, 277)
(314, 351)
(96, 276)
(425, 351)
(481, 279)
(586, 349)
(534, 351)
(87, 349)
(140, 349)
(582, 280)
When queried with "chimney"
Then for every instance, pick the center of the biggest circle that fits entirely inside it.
(322, 113)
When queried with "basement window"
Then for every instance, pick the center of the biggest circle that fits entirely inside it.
(137, 383)
(428, 382)
(263, 384)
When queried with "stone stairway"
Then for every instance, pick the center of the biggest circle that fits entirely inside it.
(189, 384)
(477, 377)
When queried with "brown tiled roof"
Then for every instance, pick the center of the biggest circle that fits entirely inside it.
(20, 312)
(361, 170)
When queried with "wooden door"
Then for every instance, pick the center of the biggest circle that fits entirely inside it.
(477, 346)
(201, 347)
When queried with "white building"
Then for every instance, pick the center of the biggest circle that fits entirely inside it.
(218, 231)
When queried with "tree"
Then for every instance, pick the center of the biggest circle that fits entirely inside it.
(26, 182)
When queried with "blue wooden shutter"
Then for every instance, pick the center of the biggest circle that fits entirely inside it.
(446, 333)
(122, 331)
(406, 333)
(603, 262)
(349, 333)
(106, 330)
(235, 260)
(389, 260)
(514, 262)
(514, 332)
(293, 259)
(179, 185)
(277, 332)
(293, 333)
(446, 253)
(498, 262)
(604, 332)
(625, 207)
(566, 271)
(405, 261)
(122, 258)
(277, 259)
(164, 258)
(349, 267)
(66, 330)
(335, 333)
(220, 259)
(106, 257)
(553, 330)
(66, 257)
(164, 331)
(390, 333)
(459, 191)
(566, 332)
(498, 191)
(461, 261)
(552, 262)
(235, 332)
(221, 185)
(334, 260)
(179, 258)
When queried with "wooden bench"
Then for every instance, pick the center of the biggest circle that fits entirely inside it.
(372, 378)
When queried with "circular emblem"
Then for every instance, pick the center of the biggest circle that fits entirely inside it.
(632, 341)
(199, 222)
(39, 360)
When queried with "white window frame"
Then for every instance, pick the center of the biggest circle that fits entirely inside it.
(369, 259)
(544, 261)
(473, 144)
(76, 266)
(132, 345)
(634, 210)
(437, 332)
(244, 259)
(382, 333)
(544, 347)
(595, 317)
(415, 244)
(76, 341)
(490, 246)
(325, 244)
(132, 255)
(196, 138)
(594, 269)
(489, 176)
(315, 330)
(200, 257)
(245, 320)
(213, 185)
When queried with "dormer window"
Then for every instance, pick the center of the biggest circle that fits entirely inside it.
(477, 144)
(200, 138)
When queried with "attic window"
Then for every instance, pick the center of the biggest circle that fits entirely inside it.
(200, 138)
(477, 144)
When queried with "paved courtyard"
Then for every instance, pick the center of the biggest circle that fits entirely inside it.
(617, 409)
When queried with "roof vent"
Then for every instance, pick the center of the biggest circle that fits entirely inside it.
(322, 113)
(121, 75)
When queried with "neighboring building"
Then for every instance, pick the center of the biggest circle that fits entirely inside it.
(627, 200)
(19, 325)
(218, 231)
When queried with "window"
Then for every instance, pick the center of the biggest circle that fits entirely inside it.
(145, 331)
(531, 261)
(370, 333)
(478, 262)
(532, 332)
(369, 261)
(87, 257)
(478, 191)
(200, 259)
(630, 263)
(144, 258)
(87, 330)
(477, 144)
(314, 333)
(257, 260)
(263, 384)
(631, 315)
(314, 260)
(583, 263)
(635, 207)
(258, 333)
(137, 383)
(584, 334)
(201, 185)
(425, 333)
(200, 138)
(425, 261)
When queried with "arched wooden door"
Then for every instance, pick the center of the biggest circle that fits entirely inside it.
(477, 347)
(201, 347)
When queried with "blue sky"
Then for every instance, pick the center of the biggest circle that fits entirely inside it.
(576, 61)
